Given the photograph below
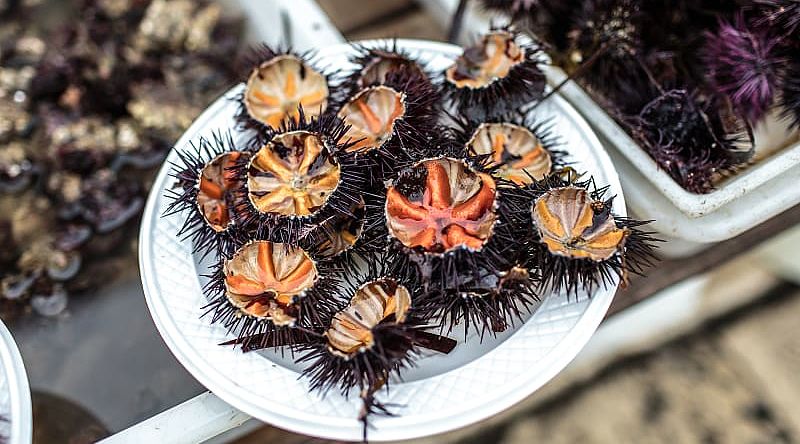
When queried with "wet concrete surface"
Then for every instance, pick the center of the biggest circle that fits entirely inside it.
(105, 355)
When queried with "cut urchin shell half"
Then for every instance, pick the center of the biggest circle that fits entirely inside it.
(390, 123)
(442, 219)
(519, 155)
(375, 64)
(298, 178)
(374, 336)
(441, 204)
(372, 115)
(270, 293)
(497, 75)
(353, 240)
(208, 190)
(575, 240)
(292, 175)
(278, 85)
(573, 225)
(342, 231)
(217, 184)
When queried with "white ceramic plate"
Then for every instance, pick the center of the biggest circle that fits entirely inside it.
(15, 395)
(442, 393)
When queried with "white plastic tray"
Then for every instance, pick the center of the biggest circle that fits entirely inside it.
(444, 392)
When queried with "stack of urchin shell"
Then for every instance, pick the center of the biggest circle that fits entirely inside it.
(349, 216)
(686, 79)
(88, 108)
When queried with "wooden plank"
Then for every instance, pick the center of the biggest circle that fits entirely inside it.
(690, 392)
(769, 347)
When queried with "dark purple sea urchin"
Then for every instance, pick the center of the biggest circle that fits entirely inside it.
(744, 65)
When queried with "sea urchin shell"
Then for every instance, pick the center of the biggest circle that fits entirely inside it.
(214, 196)
(279, 86)
(520, 155)
(495, 76)
(441, 204)
(263, 279)
(351, 329)
(292, 175)
(372, 114)
(571, 224)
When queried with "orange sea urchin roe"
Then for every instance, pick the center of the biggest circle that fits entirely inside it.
(215, 182)
(276, 89)
(490, 59)
(520, 154)
(374, 302)
(292, 175)
(570, 225)
(263, 278)
(371, 115)
(441, 205)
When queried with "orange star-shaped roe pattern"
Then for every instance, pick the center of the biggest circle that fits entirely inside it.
(292, 175)
(455, 207)
(263, 278)
(277, 88)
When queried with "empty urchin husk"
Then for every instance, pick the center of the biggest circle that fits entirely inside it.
(271, 294)
(497, 75)
(520, 149)
(298, 177)
(572, 236)
(444, 229)
(279, 82)
(207, 190)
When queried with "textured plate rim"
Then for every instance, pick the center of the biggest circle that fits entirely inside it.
(395, 428)
(20, 415)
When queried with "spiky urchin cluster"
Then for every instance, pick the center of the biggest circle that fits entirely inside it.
(692, 143)
(571, 235)
(498, 74)
(732, 56)
(358, 229)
